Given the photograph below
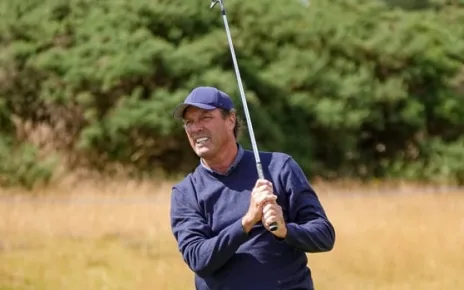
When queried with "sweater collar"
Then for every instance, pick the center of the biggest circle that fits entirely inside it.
(234, 164)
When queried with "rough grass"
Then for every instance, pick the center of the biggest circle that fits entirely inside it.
(117, 236)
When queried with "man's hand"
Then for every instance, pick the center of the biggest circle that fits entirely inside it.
(272, 212)
(262, 193)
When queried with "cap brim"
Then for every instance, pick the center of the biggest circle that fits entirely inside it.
(178, 112)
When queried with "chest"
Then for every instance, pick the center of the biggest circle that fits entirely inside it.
(224, 205)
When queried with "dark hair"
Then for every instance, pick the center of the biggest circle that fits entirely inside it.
(238, 128)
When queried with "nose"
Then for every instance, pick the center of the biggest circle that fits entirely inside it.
(195, 127)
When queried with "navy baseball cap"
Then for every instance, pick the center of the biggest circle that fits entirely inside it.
(207, 98)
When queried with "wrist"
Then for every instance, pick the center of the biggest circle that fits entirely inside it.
(284, 233)
(247, 224)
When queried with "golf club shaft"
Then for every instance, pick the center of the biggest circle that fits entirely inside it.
(259, 167)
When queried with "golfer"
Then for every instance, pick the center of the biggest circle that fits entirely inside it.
(221, 212)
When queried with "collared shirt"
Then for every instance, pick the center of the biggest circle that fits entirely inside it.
(237, 159)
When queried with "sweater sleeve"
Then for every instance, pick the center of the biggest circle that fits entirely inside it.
(203, 252)
(309, 228)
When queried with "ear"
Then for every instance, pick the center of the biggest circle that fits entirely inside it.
(231, 121)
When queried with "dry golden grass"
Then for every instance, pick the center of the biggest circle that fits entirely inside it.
(411, 241)
(117, 236)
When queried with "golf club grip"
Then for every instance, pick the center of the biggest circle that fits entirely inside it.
(273, 227)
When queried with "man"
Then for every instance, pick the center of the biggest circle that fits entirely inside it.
(220, 213)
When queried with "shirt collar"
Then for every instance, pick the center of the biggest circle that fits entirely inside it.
(234, 164)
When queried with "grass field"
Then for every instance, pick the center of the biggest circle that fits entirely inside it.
(117, 236)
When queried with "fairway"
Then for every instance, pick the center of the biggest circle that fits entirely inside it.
(118, 237)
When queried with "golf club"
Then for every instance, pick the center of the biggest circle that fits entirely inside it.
(259, 168)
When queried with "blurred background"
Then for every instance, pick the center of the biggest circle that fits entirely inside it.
(367, 96)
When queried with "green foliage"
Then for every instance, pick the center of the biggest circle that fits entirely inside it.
(22, 166)
(350, 88)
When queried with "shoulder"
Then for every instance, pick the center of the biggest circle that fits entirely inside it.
(275, 158)
(185, 192)
(275, 161)
(184, 182)
(280, 163)
(187, 183)
(269, 155)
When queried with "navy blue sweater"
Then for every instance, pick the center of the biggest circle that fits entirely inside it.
(206, 213)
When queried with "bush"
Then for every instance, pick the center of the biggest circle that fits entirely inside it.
(355, 89)
(22, 166)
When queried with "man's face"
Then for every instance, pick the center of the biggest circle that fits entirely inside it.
(208, 131)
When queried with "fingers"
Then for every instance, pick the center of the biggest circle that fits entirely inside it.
(263, 185)
(272, 210)
(265, 198)
(263, 181)
(269, 221)
(265, 201)
(271, 213)
(261, 195)
(263, 192)
(264, 188)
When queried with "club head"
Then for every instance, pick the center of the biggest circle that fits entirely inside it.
(213, 3)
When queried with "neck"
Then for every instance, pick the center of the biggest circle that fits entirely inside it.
(224, 159)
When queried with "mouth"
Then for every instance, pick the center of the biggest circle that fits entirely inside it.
(201, 140)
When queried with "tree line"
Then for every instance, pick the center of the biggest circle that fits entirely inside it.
(351, 88)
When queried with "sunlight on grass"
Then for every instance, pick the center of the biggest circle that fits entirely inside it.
(394, 242)
(99, 238)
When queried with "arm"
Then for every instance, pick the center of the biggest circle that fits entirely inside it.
(202, 252)
(309, 229)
